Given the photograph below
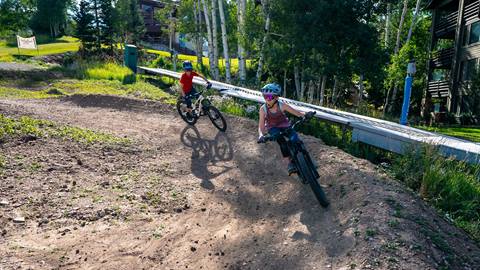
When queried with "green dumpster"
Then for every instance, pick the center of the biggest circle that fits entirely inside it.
(130, 57)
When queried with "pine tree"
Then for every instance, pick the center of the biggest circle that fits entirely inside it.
(107, 27)
(85, 30)
(130, 22)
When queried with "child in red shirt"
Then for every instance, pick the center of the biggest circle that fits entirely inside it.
(186, 82)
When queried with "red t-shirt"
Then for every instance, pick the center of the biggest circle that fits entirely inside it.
(187, 81)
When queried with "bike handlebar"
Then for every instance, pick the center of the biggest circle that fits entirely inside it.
(268, 137)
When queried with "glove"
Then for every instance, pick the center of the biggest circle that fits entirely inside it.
(209, 85)
(309, 115)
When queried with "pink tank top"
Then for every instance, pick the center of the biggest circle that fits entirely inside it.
(275, 119)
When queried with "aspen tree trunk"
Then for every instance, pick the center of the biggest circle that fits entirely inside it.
(198, 26)
(414, 21)
(322, 90)
(387, 106)
(296, 75)
(224, 41)
(302, 85)
(334, 91)
(360, 93)
(241, 11)
(387, 24)
(210, 41)
(216, 72)
(266, 12)
(400, 26)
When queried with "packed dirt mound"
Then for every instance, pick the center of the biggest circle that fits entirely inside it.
(184, 197)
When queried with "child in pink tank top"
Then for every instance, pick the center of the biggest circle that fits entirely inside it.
(273, 120)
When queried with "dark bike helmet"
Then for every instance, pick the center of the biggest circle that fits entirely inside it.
(187, 65)
(272, 88)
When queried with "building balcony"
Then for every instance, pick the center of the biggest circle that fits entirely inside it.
(445, 27)
(442, 59)
(439, 89)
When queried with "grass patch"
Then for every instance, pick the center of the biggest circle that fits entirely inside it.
(109, 71)
(140, 89)
(61, 45)
(26, 126)
(467, 133)
(452, 187)
(15, 93)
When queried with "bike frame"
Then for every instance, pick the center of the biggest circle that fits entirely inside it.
(197, 105)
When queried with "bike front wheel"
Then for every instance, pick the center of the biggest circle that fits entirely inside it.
(217, 118)
(189, 119)
(307, 173)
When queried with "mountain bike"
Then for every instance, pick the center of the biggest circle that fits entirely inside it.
(307, 171)
(202, 106)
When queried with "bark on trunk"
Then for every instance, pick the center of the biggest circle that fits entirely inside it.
(387, 25)
(209, 35)
(296, 75)
(334, 91)
(360, 93)
(412, 25)
(198, 39)
(215, 40)
(400, 26)
(224, 41)
(266, 13)
(241, 10)
(285, 83)
(322, 90)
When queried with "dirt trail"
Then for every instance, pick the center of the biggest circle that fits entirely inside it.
(194, 198)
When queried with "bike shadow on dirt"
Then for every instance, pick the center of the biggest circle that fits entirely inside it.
(208, 155)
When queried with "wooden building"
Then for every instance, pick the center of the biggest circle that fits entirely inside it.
(454, 52)
(152, 26)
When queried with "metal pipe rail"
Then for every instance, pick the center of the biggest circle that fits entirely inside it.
(376, 132)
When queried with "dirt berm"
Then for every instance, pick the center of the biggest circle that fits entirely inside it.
(183, 197)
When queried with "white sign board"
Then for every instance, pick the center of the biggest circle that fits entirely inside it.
(26, 43)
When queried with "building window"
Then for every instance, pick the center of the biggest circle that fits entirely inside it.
(469, 69)
(474, 33)
(146, 8)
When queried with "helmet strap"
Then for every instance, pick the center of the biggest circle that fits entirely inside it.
(273, 105)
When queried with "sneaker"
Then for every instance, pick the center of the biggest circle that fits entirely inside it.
(292, 168)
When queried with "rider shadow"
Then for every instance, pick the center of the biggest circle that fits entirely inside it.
(207, 155)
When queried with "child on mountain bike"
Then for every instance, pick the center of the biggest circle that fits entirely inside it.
(186, 82)
(273, 120)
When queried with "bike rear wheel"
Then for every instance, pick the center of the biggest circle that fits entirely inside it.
(217, 118)
(191, 120)
(306, 172)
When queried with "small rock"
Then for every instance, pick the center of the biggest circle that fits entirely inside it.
(4, 203)
(193, 249)
(19, 220)
(178, 210)
(203, 209)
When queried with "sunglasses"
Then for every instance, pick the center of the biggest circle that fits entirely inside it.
(268, 97)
